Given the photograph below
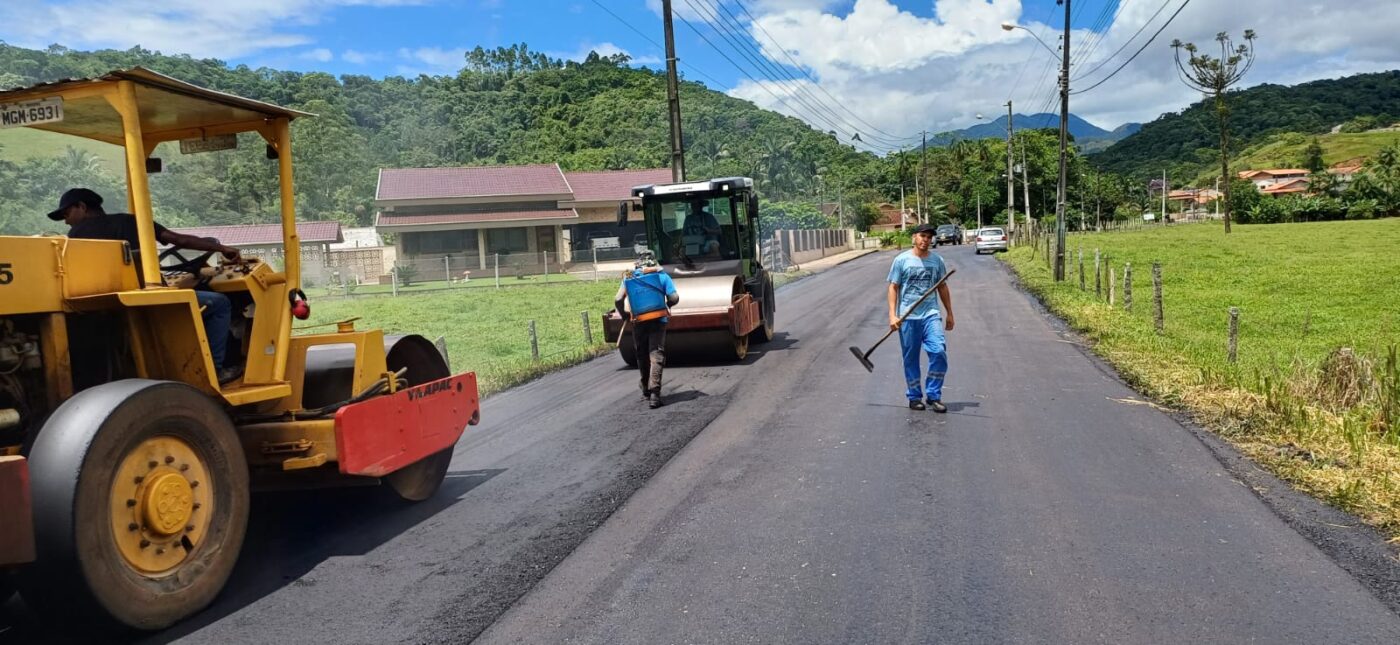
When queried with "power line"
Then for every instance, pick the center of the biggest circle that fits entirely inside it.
(799, 68)
(762, 67)
(733, 30)
(809, 114)
(653, 42)
(1139, 51)
(1127, 42)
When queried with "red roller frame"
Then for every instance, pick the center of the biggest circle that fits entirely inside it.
(386, 433)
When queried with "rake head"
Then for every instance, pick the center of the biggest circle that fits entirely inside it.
(860, 356)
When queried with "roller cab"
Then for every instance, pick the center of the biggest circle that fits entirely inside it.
(705, 235)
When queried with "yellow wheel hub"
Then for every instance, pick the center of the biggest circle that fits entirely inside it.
(161, 504)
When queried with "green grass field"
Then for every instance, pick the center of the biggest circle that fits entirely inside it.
(19, 144)
(438, 285)
(1331, 426)
(487, 330)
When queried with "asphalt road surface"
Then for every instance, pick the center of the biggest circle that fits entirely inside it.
(796, 499)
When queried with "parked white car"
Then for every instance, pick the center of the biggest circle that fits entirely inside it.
(990, 239)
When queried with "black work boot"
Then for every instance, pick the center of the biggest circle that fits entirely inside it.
(937, 405)
(655, 400)
(916, 405)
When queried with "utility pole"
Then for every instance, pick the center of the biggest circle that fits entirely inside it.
(1026, 185)
(1010, 178)
(1164, 196)
(901, 207)
(923, 168)
(1061, 197)
(673, 97)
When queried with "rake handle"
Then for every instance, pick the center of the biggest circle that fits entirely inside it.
(912, 307)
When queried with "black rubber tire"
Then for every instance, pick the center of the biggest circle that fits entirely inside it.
(80, 578)
(739, 347)
(768, 328)
(420, 480)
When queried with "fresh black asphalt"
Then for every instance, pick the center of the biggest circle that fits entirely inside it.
(795, 498)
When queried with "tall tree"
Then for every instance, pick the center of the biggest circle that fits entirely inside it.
(1312, 157)
(1215, 76)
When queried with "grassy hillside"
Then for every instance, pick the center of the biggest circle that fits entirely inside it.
(509, 105)
(21, 144)
(1187, 142)
(1326, 421)
(1288, 150)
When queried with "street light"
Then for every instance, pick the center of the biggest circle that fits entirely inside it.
(1008, 26)
(1060, 193)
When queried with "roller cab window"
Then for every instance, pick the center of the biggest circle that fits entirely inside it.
(694, 228)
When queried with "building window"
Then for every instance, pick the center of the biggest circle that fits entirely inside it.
(507, 240)
(439, 242)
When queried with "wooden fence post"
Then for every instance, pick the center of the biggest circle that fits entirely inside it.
(1157, 296)
(1112, 280)
(1234, 333)
(534, 343)
(1098, 279)
(587, 330)
(1081, 268)
(1127, 286)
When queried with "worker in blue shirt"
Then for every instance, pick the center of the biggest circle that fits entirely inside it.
(650, 294)
(913, 273)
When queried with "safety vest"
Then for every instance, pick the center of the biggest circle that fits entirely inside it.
(647, 296)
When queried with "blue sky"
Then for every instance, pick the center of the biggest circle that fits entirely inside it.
(884, 68)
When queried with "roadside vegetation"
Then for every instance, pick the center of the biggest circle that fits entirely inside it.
(1315, 394)
(487, 330)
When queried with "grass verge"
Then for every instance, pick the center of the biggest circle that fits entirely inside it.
(1315, 393)
(487, 330)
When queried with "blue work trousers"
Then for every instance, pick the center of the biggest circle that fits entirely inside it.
(217, 317)
(926, 334)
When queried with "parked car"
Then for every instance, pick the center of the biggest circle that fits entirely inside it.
(990, 239)
(948, 234)
(603, 240)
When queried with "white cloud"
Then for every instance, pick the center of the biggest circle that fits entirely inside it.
(903, 72)
(356, 57)
(431, 60)
(603, 49)
(195, 27)
(320, 55)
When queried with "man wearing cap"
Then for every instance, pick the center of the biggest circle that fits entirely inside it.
(81, 210)
(913, 273)
(651, 294)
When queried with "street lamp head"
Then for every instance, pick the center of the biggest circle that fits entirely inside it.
(1007, 26)
(979, 116)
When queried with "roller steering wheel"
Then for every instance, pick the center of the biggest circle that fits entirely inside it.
(181, 263)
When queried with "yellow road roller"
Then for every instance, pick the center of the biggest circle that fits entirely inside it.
(125, 462)
(705, 235)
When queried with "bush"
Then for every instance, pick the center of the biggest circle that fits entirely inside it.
(1363, 209)
(900, 239)
(406, 274)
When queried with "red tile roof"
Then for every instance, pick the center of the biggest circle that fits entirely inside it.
(613, 185)
(475, 181)
(392, 219)
(1297, 185)
(267, 234)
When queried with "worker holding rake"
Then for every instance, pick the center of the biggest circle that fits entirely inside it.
(919, 320)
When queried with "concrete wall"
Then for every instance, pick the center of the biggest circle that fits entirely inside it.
(798, 246)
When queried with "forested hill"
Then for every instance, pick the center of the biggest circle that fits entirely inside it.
(1188, 141)
(506, 106)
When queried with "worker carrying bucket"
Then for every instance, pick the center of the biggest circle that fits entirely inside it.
(647, 294)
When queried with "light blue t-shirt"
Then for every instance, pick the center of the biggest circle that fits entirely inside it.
(915, 276)
(647, 292)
